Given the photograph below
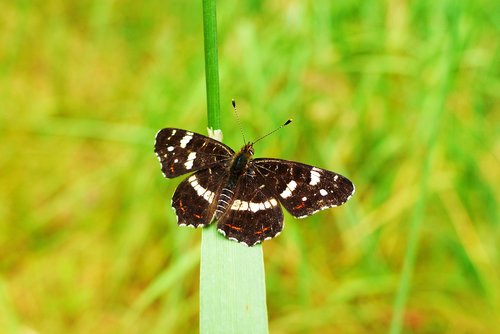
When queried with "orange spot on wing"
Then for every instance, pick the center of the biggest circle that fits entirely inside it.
(299, 206)
(172, 170)
(262, 231)
(234, 227)
(197, 216)
(182, 207)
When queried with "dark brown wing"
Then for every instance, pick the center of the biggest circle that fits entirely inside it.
(303, 189)
(254, 216)
(181, 151)
(195, 198)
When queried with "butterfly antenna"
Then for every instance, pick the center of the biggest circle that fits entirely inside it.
(270, 133)
(233, 102)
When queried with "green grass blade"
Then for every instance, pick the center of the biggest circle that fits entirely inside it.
(232, 280)
(436, 104)
(410, 258)
(232, 286)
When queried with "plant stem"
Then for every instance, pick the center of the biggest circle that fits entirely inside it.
(211, 63)
(232, 280)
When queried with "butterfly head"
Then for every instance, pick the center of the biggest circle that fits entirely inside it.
(245, 155)
(248, 150)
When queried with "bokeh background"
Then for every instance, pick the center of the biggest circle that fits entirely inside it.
(400, 96)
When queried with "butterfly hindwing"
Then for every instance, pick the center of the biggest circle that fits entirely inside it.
(303, 189)
(181, 151)
(194, 200)
(254, 216)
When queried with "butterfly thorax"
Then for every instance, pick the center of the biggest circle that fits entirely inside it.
(240, 162)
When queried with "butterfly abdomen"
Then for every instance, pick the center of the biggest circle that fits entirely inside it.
(224, 201)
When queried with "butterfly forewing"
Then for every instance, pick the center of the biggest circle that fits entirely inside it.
(303, 189)
(254, 214)
(181, 151)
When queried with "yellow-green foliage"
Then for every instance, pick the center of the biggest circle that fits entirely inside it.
(401, 97)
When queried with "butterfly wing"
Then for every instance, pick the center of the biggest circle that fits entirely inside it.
(254, 216)
(194, 201)
(303, 189)
(181, 151)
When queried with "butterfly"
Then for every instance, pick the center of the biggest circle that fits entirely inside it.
(242, 194)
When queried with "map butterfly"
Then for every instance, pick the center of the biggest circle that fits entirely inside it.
(241, 193)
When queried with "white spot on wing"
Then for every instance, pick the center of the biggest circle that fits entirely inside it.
(170, 148)
(202, 192)
(236, 205)
(186, 139)
(254, 207)
(286, 193)
(189, 164)
(244, 206)
(190, 160)
(315, 176)
(172, 134)
(304, 199)
(290, 187)
(323, 192)
(239, 205)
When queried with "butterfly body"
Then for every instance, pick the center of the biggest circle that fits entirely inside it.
(241, 193)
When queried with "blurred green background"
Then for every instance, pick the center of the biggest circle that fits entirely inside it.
(401, 97)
